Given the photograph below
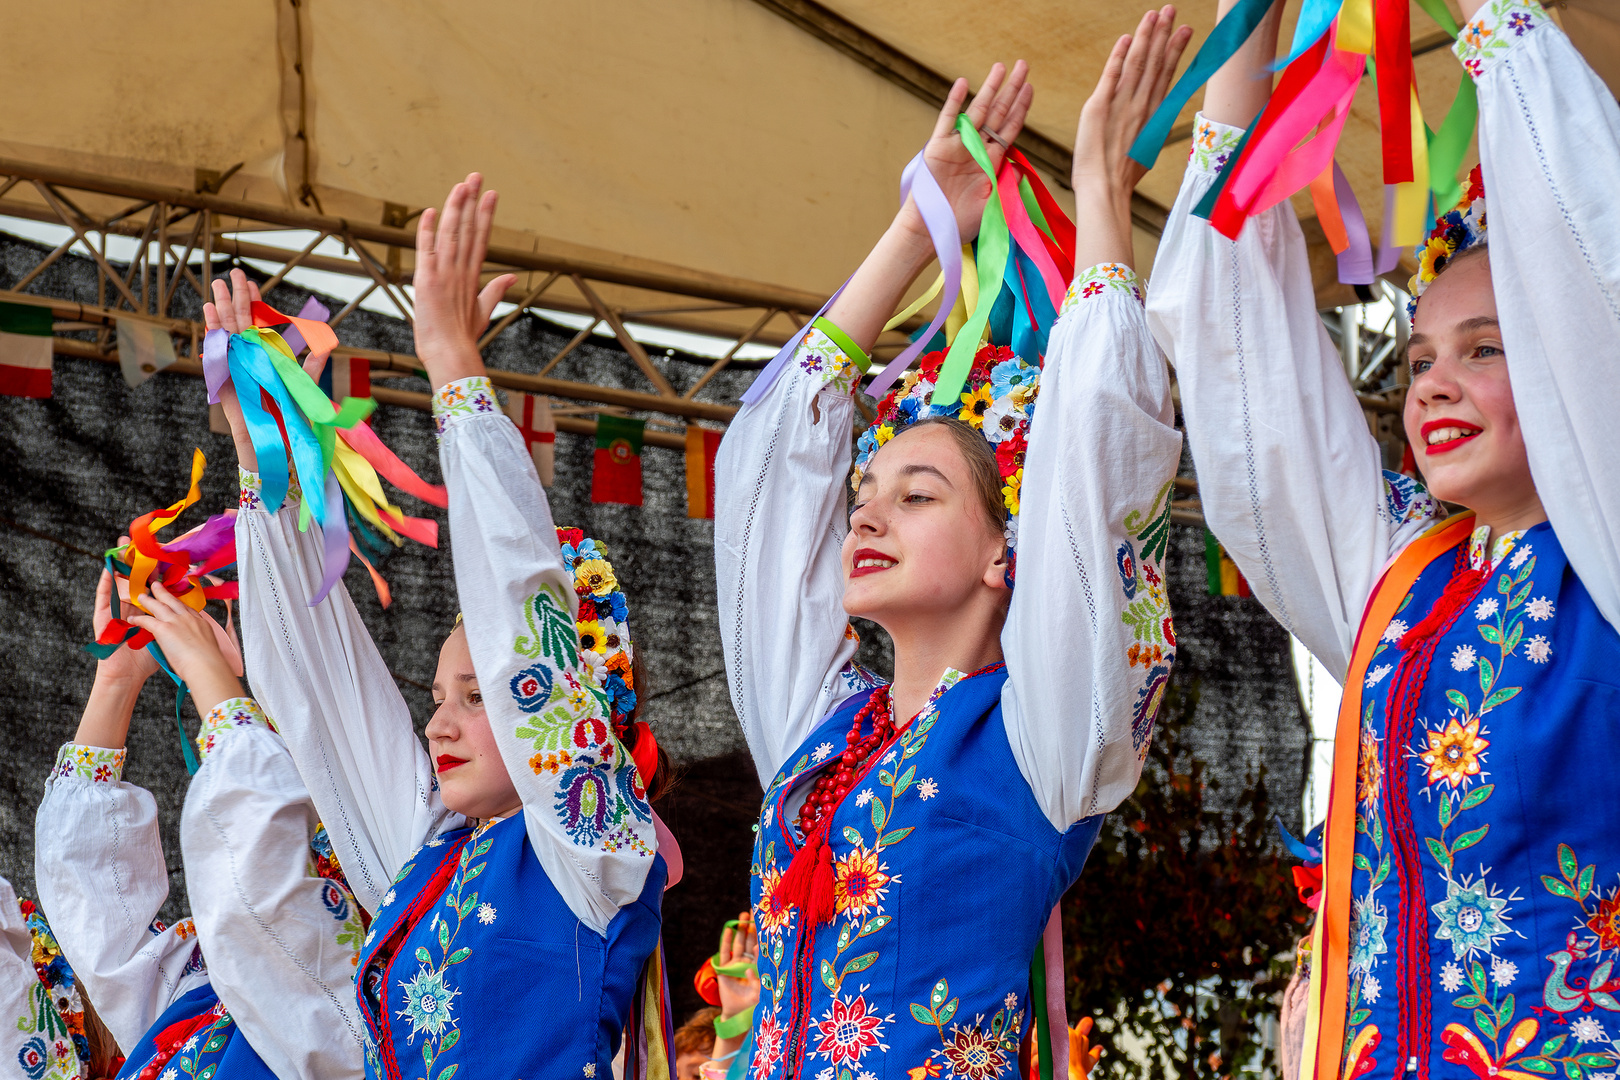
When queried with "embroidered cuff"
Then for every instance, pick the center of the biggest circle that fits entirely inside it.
(1494, 30)
(1102, 278)
(829, 356)
(251, 490)
(97, 764)
(456, 401)
(231, 713)
(1212, 144)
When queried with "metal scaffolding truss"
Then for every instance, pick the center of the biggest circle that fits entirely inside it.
(177, 231)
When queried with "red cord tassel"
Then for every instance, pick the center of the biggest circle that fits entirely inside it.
(808, 882)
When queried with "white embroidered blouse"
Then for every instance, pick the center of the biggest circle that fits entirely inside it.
(1103, 451)
(348, 727)
(1289, 476)
(280, 943)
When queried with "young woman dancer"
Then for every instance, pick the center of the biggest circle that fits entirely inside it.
(916, 835)
(1471, 920)
(514, 875)
(256, 983)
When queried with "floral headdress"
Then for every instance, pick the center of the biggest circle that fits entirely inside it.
(998, 400)
(1455, 231)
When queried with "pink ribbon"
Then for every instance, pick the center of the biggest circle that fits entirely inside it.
(1327, 90)
(1027, 236)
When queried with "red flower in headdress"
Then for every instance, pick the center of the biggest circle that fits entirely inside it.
(570, 536)
(931, 363)
(587, 605)
(1010, 454)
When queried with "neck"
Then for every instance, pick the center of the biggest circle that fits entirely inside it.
(922, 653)
(1523, 514)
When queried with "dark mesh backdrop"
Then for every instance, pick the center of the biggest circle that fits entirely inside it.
(78, 467)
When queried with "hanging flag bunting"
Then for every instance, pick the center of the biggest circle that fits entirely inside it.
(701, 446)
(144, 348)
(532, 415)
(25, 351)
(1224, 577)
(344, 376)
(616, 474)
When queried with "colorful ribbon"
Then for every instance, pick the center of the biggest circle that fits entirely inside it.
(182, 565)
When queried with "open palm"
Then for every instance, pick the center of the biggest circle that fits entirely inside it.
(997, 111)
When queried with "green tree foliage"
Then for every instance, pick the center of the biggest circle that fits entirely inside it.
(1180, 933)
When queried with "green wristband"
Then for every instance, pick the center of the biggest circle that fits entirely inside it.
(729, 1027)
(844, 343)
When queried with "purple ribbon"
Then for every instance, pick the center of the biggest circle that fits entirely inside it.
(335, 536)
(200, 545)
(216, 365)
(1356, 263)
(312, 309)
(941, 221)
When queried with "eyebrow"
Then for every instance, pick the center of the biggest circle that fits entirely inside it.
(1467, 326)
(912, 470)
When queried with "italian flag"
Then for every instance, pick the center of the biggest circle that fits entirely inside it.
(616, 475)
(25, 351)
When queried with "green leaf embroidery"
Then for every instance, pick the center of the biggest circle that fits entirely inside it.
(468, 905)
(1504, 694)
(458, 956)
(1145, 618)
(1513, 638)
(880, 814)
(942, 990)
(551, 628)
(1362, 863)
(449, 1041)
(1445, 811)
(1359, 1016)
(905, 780)
(874, 925)
(1595, 1061)
(1567, 862)
(1476, 978)
(1487, 674)
(1486, 1023)
(843, 936)
(1558, 888)
(444, 934)
(948, 1011)
(1551, 1045)
(1521, 596)
(860, 963)
(450, 1070)
(851, 835)
(1490, 633)
(922, 1015)
(1536, 1065)
(1584, 885)
(1504, 1011)
(1571, 1070)
(1438, 850)
(893, 837)
(829, 978)
(1361, 825)
(1383, 872)
(424, 956)
(1456, 698)
(1468, 1001)
(427, 1055)
(1477, 796)
(1469, 839)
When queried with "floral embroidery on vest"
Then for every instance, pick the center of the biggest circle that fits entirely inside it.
(1148, 611)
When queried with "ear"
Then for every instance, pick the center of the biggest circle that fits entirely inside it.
(995, 574)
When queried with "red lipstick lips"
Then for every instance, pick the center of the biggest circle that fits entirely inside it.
(445, 763)
(857, 570)
(1469, 431)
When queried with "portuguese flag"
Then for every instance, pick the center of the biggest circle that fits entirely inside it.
(25, 351)
(616, 477)
(1224, 577)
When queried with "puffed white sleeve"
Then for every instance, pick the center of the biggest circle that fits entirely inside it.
(584, 809)
(1088, 637)
(32, 1033)
(317, 671)
(1549, 143)
(281, 940)
(1289, 477)
(101, 876)
(779, 523)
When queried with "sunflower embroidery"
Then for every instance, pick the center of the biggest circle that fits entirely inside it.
(1454, 753)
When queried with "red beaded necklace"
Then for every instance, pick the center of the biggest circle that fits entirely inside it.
(834, 783)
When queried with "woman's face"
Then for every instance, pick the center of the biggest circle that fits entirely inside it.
(473, 780)
(1460, 418)
(919, 542)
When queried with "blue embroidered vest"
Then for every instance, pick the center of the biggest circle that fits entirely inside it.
(475, 965)
(216, 1049)
(946, 871)
(1485, 912)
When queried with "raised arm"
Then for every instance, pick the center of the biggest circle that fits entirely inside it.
(283, 938)
(317, 671)
(1288, 475)
(1549, 140)
(780, 500)
(1094, 515)
(99, 866)
(584, 807)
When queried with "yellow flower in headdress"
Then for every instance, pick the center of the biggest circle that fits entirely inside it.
(1435, 254)
(1009, 491)
(883, 433)
(975, 403)
(592, 637)
(595, 575)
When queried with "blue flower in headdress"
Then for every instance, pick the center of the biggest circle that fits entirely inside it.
(867, 444)
(615, 601)
(907, 411)
(1010, 374)
(623, 698)
(574, 554)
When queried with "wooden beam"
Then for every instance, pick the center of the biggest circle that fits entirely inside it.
(923, 82)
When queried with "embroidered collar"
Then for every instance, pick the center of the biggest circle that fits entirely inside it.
(1500, 548)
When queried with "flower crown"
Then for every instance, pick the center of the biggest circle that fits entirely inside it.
(603, 623)
(1457, 230)
(998, 400)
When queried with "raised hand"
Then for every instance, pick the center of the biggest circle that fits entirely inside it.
(126, 665)
(189, 643)
(452, 310)
(997, 111)
(231, 310)
(1083, 1057)
(738, 946)
(1133, 83)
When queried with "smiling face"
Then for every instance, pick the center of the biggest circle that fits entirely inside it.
(921, 542)
(1460, 418)
(473, 780)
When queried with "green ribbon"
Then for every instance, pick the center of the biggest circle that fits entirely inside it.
(729, 1027)
(1043, 1022)
(994, 245)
